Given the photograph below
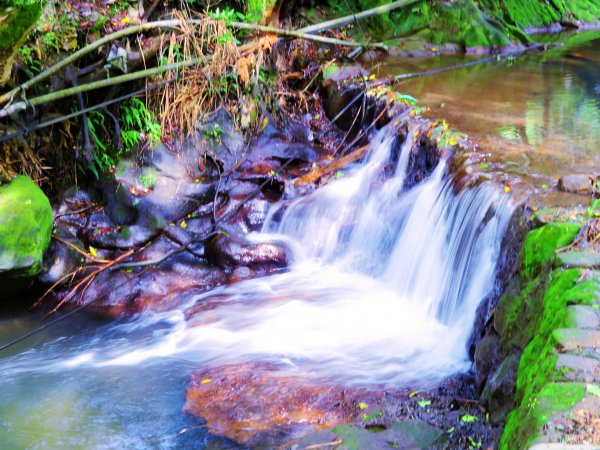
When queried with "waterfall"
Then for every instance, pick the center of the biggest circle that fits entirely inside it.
(383, 287)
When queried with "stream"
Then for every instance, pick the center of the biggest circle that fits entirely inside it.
(382, 290)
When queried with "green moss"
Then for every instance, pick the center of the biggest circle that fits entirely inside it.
(524, 423)
(11, 32)
(25, 228)
(260, 10)
(471, 24)
(540, 245)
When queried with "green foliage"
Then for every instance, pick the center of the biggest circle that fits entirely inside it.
(19, 3)
(594, 209)
(227, 15)
(138, 124)
(468, 418)
(138, 127)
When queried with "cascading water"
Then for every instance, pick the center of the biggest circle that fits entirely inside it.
(383, 288)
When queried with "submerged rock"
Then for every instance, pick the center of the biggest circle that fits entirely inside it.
(25, 229)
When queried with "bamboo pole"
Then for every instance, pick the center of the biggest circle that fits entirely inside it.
(302, 35)
(343, 21)
(20, 106)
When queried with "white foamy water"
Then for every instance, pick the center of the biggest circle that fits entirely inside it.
(383, 287)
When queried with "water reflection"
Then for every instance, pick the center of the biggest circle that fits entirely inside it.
(540, 113)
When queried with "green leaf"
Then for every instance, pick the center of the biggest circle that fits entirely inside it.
(424, 403)
(484, 166)
(468, 418)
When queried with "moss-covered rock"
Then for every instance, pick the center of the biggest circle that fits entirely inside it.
(25, 229)
(15, 24)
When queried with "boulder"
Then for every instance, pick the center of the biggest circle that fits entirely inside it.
(499, 391)
(486, 358)
(25, 229)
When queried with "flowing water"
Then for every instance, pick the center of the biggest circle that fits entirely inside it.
(382, 289)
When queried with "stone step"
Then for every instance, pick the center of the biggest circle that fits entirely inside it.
(581, 316)
(578, 368)
(579, 259)
(574, 338)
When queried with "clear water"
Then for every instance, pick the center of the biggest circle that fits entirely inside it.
(538, 115)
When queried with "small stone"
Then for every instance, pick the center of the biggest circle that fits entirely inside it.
(576, 183)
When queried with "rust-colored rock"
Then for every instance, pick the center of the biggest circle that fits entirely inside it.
(251, 402)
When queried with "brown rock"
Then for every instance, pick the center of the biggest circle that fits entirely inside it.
(249, 402)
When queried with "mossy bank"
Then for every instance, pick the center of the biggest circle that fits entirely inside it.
(548, 316)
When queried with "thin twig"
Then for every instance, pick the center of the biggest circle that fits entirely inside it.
(81, 252)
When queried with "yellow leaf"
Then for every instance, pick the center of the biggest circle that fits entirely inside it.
(93, 251)
(183, 224)
(371, 77)
(206, 381)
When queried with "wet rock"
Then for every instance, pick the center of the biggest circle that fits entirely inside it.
(25, 229)
(577, 183)
(60, 259)
(230, 252)
(487, 357)
(165, 287)
(409, 434)
(498, 394)
(248, 402)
